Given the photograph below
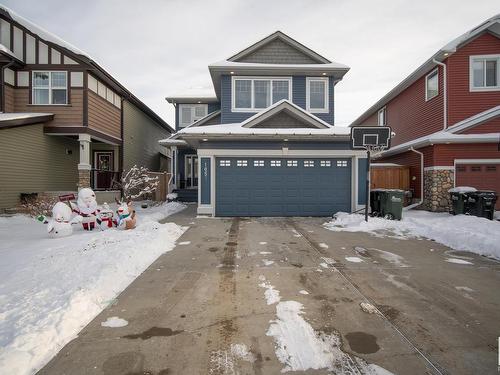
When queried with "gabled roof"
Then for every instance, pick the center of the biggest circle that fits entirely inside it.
(319, 66)
(78, 55)
(285, 39)
(491, 25)
(290, 108)
(194, 95)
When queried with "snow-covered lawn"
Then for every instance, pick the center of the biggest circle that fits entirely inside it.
(51, 288)
(461, 232)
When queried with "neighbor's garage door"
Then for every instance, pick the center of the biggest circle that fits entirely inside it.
(480, 176)
(282, 187)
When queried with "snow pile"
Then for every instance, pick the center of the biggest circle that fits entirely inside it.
(462, 189)
(299, 347)
(272, 295)
(51, 288)
(461, 232)
(114, 322)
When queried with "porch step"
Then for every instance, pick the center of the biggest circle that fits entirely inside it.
(187, 195)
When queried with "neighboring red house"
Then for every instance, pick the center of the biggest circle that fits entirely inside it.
(446, 116)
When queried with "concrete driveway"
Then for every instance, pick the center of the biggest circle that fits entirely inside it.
(190, 308)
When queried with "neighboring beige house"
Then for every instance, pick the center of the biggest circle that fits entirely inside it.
(64, 121)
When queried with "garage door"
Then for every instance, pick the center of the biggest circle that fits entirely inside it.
(282, 187)
(480, 176)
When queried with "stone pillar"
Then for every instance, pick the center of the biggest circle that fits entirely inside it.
(437, 182)
(84, 165)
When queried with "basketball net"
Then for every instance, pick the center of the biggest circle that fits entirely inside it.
(375, 150)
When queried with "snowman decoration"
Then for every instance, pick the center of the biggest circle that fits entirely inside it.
(86, 208)
(105, 217)
(60, 224)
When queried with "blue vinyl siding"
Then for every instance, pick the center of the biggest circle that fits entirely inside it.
(298, 97)
(282, 190)
(362, 181)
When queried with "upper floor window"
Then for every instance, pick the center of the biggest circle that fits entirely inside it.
(382, 117)
(256, 93)
(189, 113)
(484, 72)
(50, 88)
(432, 84)
(317, 94)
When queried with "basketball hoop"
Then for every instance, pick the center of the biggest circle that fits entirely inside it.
(375, 140)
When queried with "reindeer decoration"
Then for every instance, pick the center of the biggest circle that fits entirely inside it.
(126, 215)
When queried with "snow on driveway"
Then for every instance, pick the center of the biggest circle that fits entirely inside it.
(461, 232)
(51, 288)
(300, 348)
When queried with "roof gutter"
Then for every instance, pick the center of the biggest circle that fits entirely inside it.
(445, 96)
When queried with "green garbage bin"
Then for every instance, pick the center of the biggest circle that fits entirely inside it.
(482, 203)
(391, 203)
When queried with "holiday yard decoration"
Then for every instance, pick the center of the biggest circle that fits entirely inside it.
(126, 215)
(60, 224)
(105, 217)
(86, 208)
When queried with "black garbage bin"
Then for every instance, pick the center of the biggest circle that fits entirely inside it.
(375, 202)
(458, 202)
(481, 203)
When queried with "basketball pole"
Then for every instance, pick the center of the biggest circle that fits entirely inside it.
(367, 183)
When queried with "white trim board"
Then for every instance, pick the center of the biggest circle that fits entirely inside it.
(477, 161)
(284, 152)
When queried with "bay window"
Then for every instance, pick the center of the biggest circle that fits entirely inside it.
(251, 94)
(317, 94)
(50, 88)
(484, 72)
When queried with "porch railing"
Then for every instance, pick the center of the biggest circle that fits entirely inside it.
(105, 180)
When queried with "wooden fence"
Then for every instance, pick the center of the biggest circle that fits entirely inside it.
(390, 177)
(161, 191)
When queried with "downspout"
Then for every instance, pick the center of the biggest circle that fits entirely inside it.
(445, 95)
(2, 82)
(421, 181)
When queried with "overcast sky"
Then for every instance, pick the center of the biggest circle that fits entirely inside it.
(158, 48)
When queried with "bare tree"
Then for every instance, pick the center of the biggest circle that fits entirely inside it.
(137, 183)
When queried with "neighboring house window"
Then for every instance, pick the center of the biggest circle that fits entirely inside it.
(382, 117)
(50, 88)
(317, 94)
(484, 72)
(432, 85)
(189, 113)
(256, 93)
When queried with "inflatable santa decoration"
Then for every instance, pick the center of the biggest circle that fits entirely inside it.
(86, 207)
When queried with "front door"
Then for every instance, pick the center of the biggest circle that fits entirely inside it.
(191, 171)
(103, 165)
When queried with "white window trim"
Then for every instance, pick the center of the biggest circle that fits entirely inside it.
(427, 98)
(383, 109)
(193, 112)
(472, 88)
(256, 78)
(33, 87)
(327, 95)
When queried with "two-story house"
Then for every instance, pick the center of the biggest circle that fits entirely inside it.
(65, 122)
(446, 116)
(265, 144)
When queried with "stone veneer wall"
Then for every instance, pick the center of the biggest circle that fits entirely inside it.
(436, 186)
(83, 178)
